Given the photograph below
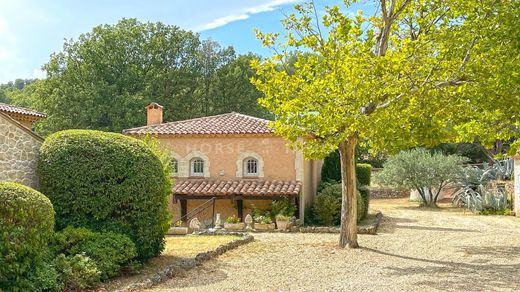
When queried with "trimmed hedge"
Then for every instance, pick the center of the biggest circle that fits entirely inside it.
(110, 251)
(107, 182)
(327, 206)
(26, 226)
(363, 173)
(331, 170)
(364, 193)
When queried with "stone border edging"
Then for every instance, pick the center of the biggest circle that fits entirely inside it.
(370, 229)
(188, 264)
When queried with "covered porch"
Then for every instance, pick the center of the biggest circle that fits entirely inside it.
(203, 198)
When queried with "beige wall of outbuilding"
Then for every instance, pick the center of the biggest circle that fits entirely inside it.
(19, 150)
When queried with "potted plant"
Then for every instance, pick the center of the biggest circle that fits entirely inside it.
(263, 222)
(282, 221)
(283, 210)
(177, 228)
(233, 223)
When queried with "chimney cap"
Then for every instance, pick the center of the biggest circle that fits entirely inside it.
(154, 105)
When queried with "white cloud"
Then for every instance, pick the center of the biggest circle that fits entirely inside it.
(266, 7)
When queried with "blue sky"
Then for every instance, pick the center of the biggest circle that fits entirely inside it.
(31, 30)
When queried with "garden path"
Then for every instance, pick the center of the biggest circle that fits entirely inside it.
(416, 249)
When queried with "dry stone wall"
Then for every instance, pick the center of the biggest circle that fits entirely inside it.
(18, 153)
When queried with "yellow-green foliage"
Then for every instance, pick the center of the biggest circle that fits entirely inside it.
(440, 71)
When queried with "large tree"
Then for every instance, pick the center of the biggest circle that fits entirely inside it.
(414, 73)
(104, 79)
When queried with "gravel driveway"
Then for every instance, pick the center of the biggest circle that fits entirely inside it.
(415, 250)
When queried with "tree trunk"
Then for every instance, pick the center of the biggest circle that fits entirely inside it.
(348, 234)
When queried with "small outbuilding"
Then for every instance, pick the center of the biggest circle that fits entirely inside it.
(19, 145)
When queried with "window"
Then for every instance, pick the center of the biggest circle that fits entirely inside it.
(197, 167)
(250, 167)
(175, 167)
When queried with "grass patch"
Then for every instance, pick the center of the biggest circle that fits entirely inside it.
(177, 248)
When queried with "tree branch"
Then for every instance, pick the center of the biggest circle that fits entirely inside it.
(400, 9)
(468, 52)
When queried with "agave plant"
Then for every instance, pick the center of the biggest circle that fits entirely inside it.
(482, 200)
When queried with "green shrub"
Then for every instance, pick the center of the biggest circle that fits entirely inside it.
(77, 272)
(309, 216)
(26, 225)
(109, 251)
(363, 173)
(326, 209)
(331, 170)
(364, 192)
(323, 209)
(283, 207)
(361, 207)
(46, 278)
(107, 181)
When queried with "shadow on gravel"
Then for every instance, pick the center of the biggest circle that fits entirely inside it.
(389, 223)
(457, 276)
(432, 228)
(493, 252)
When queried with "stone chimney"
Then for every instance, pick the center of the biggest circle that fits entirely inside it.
(154, 114)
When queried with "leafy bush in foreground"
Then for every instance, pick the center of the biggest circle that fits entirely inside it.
(76, 272)
(109, 251)
(26, 225)
(107, 182)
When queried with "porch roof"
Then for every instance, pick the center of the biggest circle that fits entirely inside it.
(244, 187)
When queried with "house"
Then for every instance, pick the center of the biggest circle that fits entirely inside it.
(235, 160)
(19, 145)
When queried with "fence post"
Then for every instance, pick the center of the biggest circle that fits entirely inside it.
(213, 215)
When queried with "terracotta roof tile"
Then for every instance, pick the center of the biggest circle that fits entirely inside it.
(231, 123)
(206, 187)
(20, 110)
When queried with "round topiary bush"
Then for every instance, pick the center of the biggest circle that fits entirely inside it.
(26, 226)
(107, 182)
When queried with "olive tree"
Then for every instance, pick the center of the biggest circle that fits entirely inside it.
(418, 169)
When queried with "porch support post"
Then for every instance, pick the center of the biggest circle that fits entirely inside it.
(184, 209)
(240, 207)
(297, 203)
